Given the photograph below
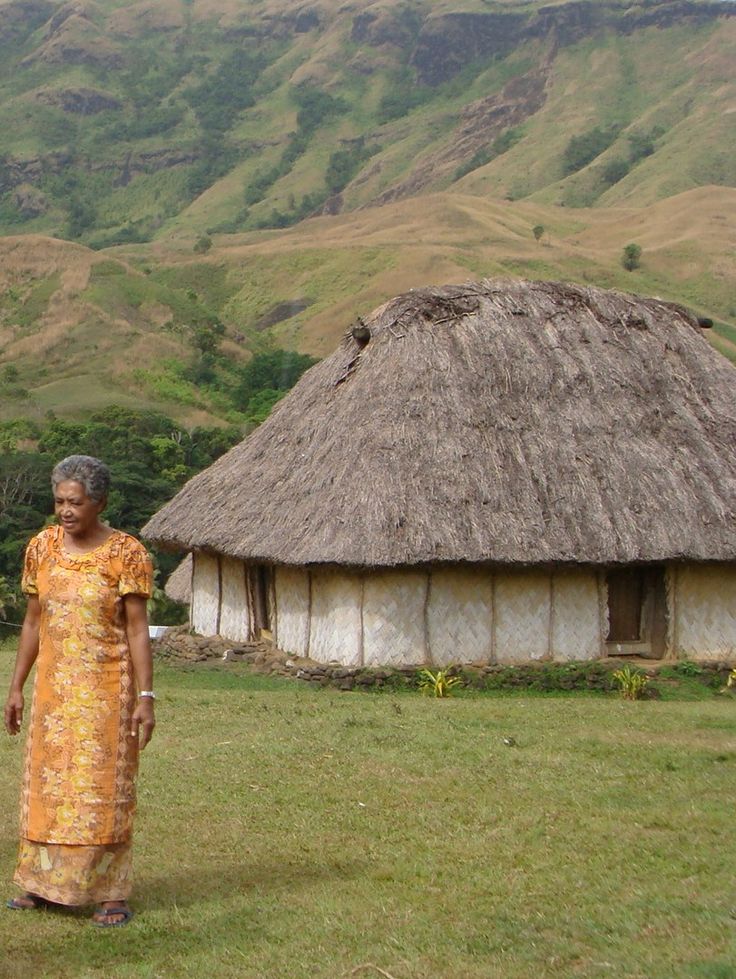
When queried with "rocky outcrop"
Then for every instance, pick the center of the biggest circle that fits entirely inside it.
(20, 18)
(165, 159)
(481, 123)
(281, 25)
(306, 20)
(383, 26)
(78, 101)
(76, 9)
(678, 12)
(73, 38)
(141, 19)
(13, 173)
(30, 201)
(568, 23)
(448, 42)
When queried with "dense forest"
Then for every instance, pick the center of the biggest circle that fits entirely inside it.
(150, 457)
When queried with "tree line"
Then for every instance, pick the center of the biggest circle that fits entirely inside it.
(150, 457)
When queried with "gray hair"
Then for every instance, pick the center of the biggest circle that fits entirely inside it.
(90, 472)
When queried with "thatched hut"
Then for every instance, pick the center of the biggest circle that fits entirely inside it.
(178, 586)
(499, 471)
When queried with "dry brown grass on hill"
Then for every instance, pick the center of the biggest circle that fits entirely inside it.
(689, 244)
(136, 19)
(348, 264)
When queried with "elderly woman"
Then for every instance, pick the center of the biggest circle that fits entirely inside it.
(92, 711)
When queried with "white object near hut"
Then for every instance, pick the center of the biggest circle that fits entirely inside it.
(500, 471)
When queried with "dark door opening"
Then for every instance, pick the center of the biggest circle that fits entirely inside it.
(637, 617)
(260, 579)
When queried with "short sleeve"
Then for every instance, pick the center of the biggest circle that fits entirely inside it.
(136, 577)
(29, 581)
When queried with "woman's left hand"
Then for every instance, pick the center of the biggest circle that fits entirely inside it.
(143, 722)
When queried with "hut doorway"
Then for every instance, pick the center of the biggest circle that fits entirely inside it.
(637, 620)
(260, 580)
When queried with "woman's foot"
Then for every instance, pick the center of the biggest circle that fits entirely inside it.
(27, 902)
(112, 914)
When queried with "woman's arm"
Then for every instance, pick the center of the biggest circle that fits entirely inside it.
(139, 643)
(27, 653)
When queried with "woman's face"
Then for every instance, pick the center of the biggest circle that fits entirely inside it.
(74, 510)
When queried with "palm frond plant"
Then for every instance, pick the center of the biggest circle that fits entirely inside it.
(438, 684)
(631, 683)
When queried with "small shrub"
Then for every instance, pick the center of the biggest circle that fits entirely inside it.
(631, 683)
(437, 684)
(730, 683)
(538, 231)
(631, 257)
(584, 148)
(615, 170)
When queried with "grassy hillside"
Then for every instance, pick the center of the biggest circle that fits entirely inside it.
(81, 328)
(129, 122)
(272, 170)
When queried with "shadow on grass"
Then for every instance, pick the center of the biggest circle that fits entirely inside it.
(176, 915)
(220, 882)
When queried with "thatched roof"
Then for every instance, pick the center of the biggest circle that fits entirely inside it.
(505, 422)
(179, 583)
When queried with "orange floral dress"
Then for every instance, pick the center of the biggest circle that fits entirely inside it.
(78, 794)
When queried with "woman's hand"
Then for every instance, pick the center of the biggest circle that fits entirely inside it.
(143, 722)
(136, 627)
(27, 652)
(14, 712)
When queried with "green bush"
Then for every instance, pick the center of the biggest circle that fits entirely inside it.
(583, 149)
(344, 164)
(631, 257)
(203, 244)
(274, 370)
(615, 170)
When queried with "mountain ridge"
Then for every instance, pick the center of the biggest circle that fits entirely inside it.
(279, 168)
(411, 94)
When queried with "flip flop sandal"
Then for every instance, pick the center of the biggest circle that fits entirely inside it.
(37, 902)
(106, 913)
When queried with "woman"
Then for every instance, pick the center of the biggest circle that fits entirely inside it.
(87, 631)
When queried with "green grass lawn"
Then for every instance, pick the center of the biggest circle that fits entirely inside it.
(286, 831)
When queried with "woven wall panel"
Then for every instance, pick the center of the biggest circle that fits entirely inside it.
(670, 589)
(393, 618)
(459, 616)
(205, 594)
(522, 610)
(576, 616)
(291, 631)
(234, 618)
(706, 613)
(334, 632)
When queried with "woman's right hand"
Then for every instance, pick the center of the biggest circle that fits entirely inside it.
(14, 712)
